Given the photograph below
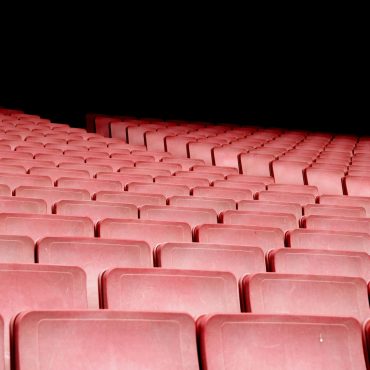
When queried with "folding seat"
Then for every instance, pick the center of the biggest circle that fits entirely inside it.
(281, 342)
(57, 159)
(158, 156)
(123, 178)
(321, 262)
(185, 163)
(357, 186)
(85, 154)
(118, 129)
(14, 143)
(93, 169)
(248, 178)
(285, 197)
(120, 337)
(254, 187)
(139, 199)
(4, 189)
(155, 140)
(15, 180)
(144, 171)
(16, 249)
(226, 193)
(256, 164)
(336, 223)
(237, 259)
(172, 167)
(299, 294)
(26, 163)
(224, 171)
(55, 173)
(330, 167)
(22, 205)
(328, 210)
(190, 182)
(199, 150)
(132, 157)
(94, 255)
(177, 145)
(164, 189)
(102, 125)
(192, 216)
(204, 175)
(227, 156)
(38, 226)
(282, 221)
(4, 147)
(265, 238)
(153, 232)
(217, 204)
(15, 155)
(136, 134)
(195, 292)
(91, 185)
(5, 168)
(288, 172)
(290, 188)
(354, 201)
(327, 181)
(34, 286)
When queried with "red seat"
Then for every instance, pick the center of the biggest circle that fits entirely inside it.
(139, 199)
(290, 188)
(14, 180)
(289, 171)
(195, 292)
(185, 163)
(50, 194)
(136, 134)
(199, 150)
(15, 155)
(256, 164)
(22, 205)
(336, 223)
(177, 145)
(328, 210)
(172, 167)
(102, 339)
(346, 201)
(224, 171)
(57, 159)
(4, 189)
(249, 178)
(218, 204)
(285, 197)
(192, 216)
(164, 189)
(237, 259)
(144, 171)
(114, 164)
(95, 210)
(152, 232)
(39, 226)
(4, 168)
(16, 249)
(264, 237)
(283, 221)
(94, 255)
(281, 342)
(331, 240)
(90, 185)
(132, 157)
(27, 163)
(123, 178)
(276, 293)
(225, 193)
(209, 176)
(327, 181)
(227, 156)
(187, 181)
(118, 129)
(357, 185)
(269, 206)
(92, 169)
(34, 286)
(56, 173)
(321, 262)
(84, 153)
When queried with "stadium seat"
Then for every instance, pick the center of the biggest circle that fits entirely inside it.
(50, 195)
(92, 169)
(144, 171)
(15, 180)
(328, 210)
(22, 205)
(351, 201)
(102, 339)
(285, 197)
(225, 193)
(123, 178)
(192, 216)
(16, 249)
(57, 159)
(264, 237)
(139, 199)
(185, 163)
(299, 294)
(202, 151)
(95, 210)
(290, 188)
(227, 156)
(17, 169)
(269, 206)
(224, 171)
(35, 286)
(336, 223)
(237, 259)
(194, 292)
(26, 163)
(39, 226)
(256, 164)
(190, 182)
(93, 255)
(289, 171)
(283, 221)
(165, 189)
(280, 342)
(56, 173)
(327, 181)
(249, 178)
(15, 154)
(90, 185)
(152, 232)
(357, 186)
(202, 175)
(320, 262)
(4, 189)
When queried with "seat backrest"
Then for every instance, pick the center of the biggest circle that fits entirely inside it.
(16, 249)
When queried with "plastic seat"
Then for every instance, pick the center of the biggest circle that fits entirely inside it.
(224, 171)
(4, 189)
(225, 193)
(136, 134)
(227, 156)
(15, 180)
(283, 221)
(249, 178)
(266, 238)
(101, 339)
(50, 194)
(56, 173)
(336, 223)
(22, 205)
(92, 169)
(152, 232)
(209, 176)
(27, 163)
(327, 181)
(194, 292)
(288, 171)
(139, 199)
(15, 154)
(256, 164)
(328, 210)
(39, 226)
(285, 197)
(123, 178)
(217, 204)
(164, 189)
(357, 186)
(321, 262)
(177, 145)
(114, 164)
(91, 185)
(57, 159)
(187, 181)
(269, 206)
(94, 255)
(17, 169)
(280, 342)
(199, 150)
(346, 201)
(289, 188)
(132, 157)
(237, 259)
(185, 163)
(95, 210)
(192, 216)
(144, 171)
(84, 153)
(16, 249)
(254, 187)
(298, 294)
(35, 286)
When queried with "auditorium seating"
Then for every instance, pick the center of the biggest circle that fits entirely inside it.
(92, 185)
(16, 249)
(139, 199)
(286, 197)
(336, 223)
(22, 205)
(329, 210)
